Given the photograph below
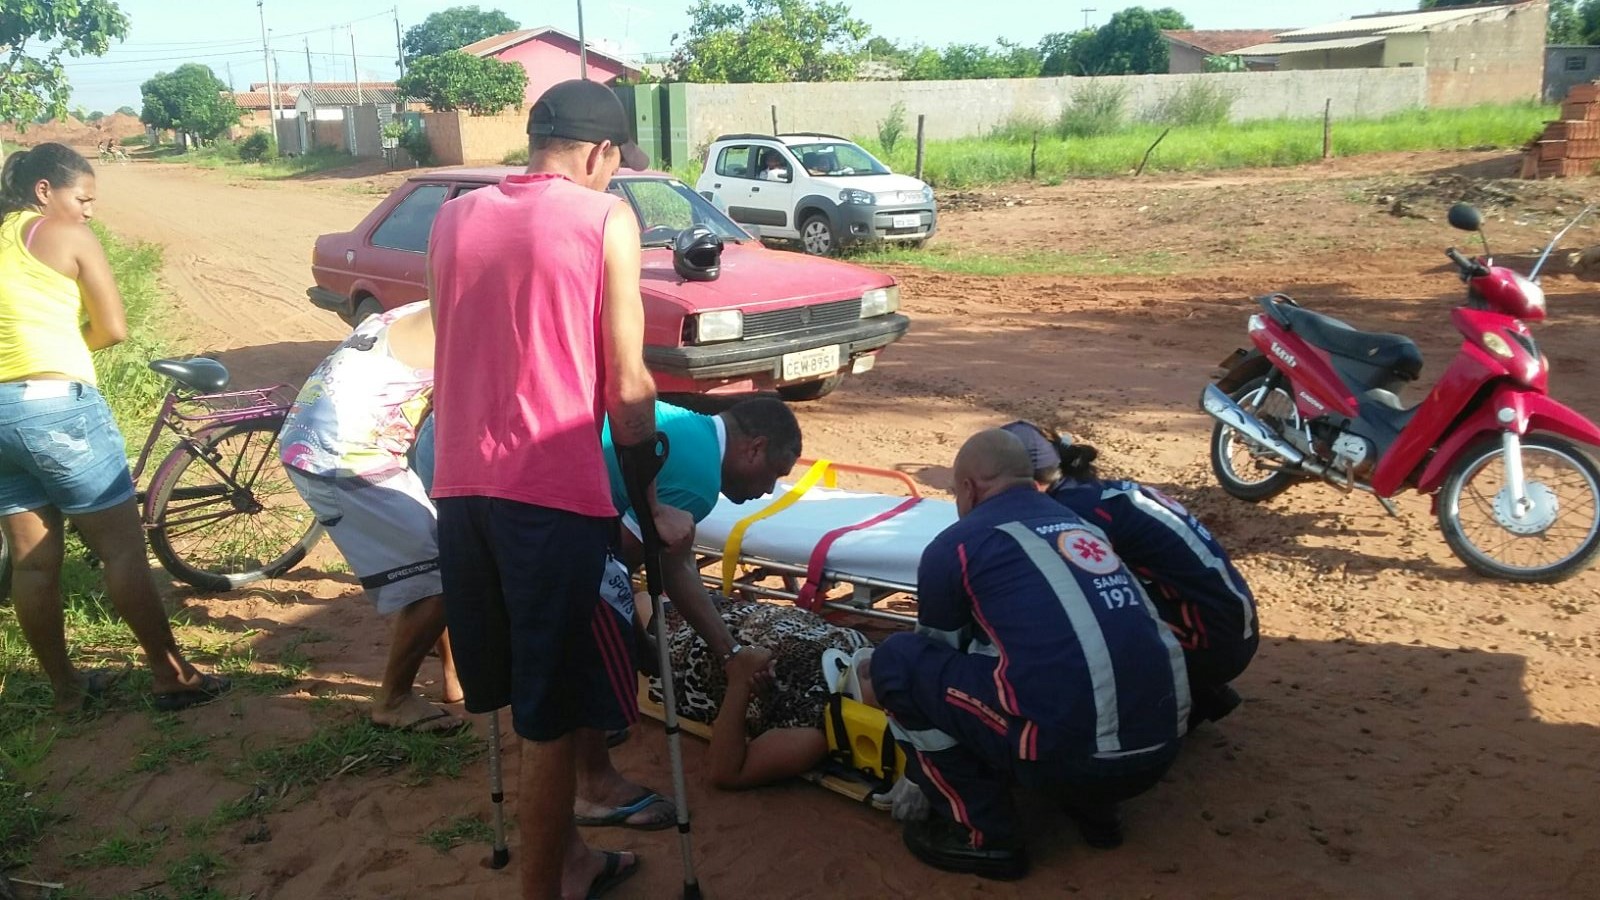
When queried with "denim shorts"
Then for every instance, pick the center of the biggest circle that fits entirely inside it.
(59, 447)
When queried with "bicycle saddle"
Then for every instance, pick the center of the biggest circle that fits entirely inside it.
(198, 374)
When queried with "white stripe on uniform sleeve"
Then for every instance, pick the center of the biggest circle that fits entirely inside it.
(1084, 624)
(1178, 526)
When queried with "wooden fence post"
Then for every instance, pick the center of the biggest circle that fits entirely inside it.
(774, 120)
(920, 120)
(1033, 159)
(1327, 129)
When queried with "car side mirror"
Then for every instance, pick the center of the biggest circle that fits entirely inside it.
(1465, 217)
(785, 175)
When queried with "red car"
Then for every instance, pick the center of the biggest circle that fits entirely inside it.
(771, 320)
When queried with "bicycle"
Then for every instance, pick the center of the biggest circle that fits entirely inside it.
(219, 512)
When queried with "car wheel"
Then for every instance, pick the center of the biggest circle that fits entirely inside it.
(816, 235)
(810, 390)
(365, 309)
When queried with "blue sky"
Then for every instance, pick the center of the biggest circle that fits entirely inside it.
(226, 34)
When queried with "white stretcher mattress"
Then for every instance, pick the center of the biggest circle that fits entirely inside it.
(888, 551)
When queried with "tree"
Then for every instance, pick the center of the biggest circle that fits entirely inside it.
(456, 80)
(95, 116)
(452, 29)
(127, 111)
(1055, 52)
(190, 99)
(34, 84)
(1169, 19)
(1129, 44)
(768, 41)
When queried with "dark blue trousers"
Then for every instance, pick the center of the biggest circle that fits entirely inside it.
(965, 752)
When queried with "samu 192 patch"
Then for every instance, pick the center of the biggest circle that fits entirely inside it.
(1088, 551)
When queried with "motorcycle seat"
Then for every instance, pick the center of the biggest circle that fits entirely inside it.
(1394, 352)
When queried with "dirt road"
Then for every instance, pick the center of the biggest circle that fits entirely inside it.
(1410, 730)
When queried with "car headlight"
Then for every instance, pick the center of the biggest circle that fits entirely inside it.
(927, 195)
(880, 301)
(723, 325)
(862, 198)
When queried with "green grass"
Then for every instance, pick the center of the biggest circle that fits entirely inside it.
(226, 156)
(175, 743)
(1039, 262)
(357, 747)
(1200, 148)
(458, 831)
(120, 851)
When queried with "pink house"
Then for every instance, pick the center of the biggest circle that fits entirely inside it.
(550, 56)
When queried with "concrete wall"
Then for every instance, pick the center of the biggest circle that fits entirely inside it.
(458, 138)
(1368, 57)
(1497, 60)
(368, 134)
(1559, 74)
(958, 109)
(1183, 59)
(551, 59)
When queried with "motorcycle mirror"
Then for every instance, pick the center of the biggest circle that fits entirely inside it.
(1465, 217)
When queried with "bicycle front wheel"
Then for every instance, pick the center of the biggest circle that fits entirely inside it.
(223, 512)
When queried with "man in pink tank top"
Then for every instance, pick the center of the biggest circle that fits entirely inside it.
(535, 287)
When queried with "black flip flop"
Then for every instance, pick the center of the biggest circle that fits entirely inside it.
(417, 726)
(611, 874)
(945, 845)
(211, 687)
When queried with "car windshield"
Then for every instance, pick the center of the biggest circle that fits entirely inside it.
(837, 158)
(666, 206)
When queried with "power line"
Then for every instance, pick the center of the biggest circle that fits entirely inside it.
(219, 45)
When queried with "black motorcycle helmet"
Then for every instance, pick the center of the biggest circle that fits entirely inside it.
(697, 254)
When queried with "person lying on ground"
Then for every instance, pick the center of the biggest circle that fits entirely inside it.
(1037, 659)
(1187, 574)
(61, 455)
(764, 729)
(344, 444)
(739, 453)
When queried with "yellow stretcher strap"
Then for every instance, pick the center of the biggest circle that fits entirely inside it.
(820, 470)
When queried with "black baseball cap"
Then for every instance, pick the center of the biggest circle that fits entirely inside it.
(588, 111)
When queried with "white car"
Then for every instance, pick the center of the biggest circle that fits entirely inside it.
(821, 190)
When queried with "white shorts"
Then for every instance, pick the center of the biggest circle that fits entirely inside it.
(387, 530)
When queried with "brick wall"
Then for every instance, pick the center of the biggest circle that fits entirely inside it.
(458, 138)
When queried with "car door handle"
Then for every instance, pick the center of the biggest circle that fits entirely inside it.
(716, 184)
(755, 190)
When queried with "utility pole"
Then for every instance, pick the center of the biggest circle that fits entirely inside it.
(355, 67)
(266, 63)
(1086, 11)
(399, 45)
(583, 46)
(230, 77)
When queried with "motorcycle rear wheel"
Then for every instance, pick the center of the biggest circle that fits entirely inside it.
(1231, 460)
(1476, 483)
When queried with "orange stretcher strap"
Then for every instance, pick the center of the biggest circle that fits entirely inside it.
(820, 470)
(819, 557)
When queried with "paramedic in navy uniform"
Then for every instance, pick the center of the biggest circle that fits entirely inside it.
(1037, 659)
(1186, 573)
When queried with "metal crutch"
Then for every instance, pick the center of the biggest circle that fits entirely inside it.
(637, 476)
(497, 795)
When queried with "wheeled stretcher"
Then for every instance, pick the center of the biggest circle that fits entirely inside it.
(823, 548)
(830, 551)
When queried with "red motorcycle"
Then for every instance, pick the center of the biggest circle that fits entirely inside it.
(1515, 495)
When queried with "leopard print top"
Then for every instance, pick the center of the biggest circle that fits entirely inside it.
(796, 638)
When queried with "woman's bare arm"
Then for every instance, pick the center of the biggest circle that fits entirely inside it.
(74, 251)
(781, 753)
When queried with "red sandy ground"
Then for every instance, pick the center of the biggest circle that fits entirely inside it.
(1410, 729)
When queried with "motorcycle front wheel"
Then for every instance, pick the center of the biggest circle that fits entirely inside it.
(1558, 533)
(1242, 468)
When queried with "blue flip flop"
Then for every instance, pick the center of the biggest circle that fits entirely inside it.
(618, 816)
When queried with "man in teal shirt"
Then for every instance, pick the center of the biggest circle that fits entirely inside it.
(740, 454)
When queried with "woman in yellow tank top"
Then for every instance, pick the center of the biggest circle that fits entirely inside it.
(61, 454)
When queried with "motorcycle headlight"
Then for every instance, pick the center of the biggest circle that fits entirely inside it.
(880, 301)
(861, 198)
(723, 325)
